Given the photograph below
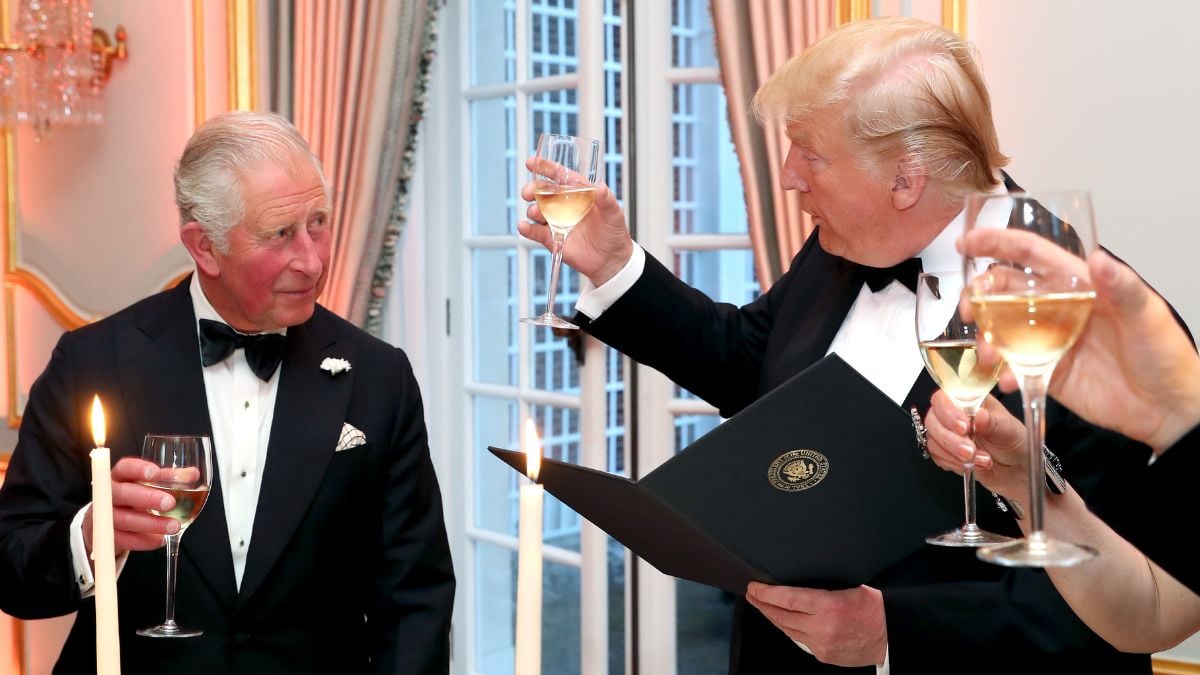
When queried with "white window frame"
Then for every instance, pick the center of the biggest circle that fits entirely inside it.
(449, 389)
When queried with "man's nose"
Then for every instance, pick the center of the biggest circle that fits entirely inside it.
(307, 258)
(789, 174)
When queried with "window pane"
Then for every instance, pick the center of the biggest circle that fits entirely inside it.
(495, 608)
(494, 315)
(552, 37)
(495, 613)
(493, 41)
(555, 111)
(494, 171)
(723, 275)
(560, 619)
(691, 35)
(616, 607)
(614, 410)
(708, 186)
(703, 614)
(552, 363)
(496, 484)
(559, 430)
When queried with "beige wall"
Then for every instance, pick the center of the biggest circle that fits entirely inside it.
(95, 218)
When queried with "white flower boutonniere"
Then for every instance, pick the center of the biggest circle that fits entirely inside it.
(335, 367)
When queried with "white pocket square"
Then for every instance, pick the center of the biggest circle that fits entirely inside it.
(351, 437)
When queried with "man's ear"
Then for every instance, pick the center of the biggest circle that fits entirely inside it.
(200, 245)
(909, 185)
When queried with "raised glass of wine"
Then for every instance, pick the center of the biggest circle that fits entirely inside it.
(566, 172)
(947, 343)
(184, 472)
(1031, 311)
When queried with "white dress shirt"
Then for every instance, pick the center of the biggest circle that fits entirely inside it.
(878, 336)
(241, 408)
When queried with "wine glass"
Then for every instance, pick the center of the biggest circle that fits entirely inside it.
(1032, 312)
(947, 344)
(566, 171)
(185, 472)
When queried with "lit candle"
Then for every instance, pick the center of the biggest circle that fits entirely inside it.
(104, 559)
(529, 562)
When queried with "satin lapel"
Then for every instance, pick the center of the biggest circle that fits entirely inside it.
(159, 362)
(310, 409)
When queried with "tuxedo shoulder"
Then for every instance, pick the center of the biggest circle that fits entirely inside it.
(367, 345)
(162, 303)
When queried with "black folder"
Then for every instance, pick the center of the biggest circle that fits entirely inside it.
(820, 483)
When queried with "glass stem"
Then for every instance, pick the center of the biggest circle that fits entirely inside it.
(555, 266)
(969, 527)
(172, 566)
(1033, 391)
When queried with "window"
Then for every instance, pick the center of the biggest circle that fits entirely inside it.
(516, 68)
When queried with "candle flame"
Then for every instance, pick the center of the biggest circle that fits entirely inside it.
(98, 422)
(533, 450)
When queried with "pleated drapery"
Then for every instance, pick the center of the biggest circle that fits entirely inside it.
(755, 37)
(360, 70)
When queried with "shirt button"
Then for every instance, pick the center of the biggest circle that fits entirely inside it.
(246, 405)
(243, 474)
(242, 543)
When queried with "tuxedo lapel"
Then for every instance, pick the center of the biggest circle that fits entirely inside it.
(310, 409)
(163, 383)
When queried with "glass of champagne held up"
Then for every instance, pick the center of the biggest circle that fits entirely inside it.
(184, 472)
(1032, 312)
(947, 344)
(566, 171)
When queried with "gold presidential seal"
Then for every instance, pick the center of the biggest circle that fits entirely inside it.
(797, 470)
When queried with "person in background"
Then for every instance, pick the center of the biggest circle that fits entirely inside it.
(322, 547)
(1133, 369)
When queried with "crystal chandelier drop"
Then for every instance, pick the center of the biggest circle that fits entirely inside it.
(54, 67)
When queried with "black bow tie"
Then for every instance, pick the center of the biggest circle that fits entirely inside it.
(906, 273)
(263, 351)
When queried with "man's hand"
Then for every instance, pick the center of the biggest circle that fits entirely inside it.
(135, 528)
(843, 628)
(600, 244)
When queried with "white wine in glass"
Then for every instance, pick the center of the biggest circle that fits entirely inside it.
(565, 175)
(1032, 311)
(185, 472)
(947, 344)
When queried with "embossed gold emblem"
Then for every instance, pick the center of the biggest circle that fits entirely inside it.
(797, 470)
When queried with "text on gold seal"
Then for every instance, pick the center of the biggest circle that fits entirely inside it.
(797, 470)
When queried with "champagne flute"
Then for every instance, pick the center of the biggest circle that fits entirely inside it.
(947, 344)
(185, 472)
(565, 174)
(1032, 312)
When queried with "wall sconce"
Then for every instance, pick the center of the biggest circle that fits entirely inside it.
(54, 66)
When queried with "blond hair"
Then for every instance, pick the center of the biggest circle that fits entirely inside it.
(909, 91)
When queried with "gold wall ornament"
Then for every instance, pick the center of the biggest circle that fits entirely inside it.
(797, 470)
(54, 64)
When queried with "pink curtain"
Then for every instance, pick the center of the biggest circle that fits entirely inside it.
(754, 37)
(357, 67)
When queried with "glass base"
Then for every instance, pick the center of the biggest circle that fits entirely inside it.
(970, 536)
(550, 320)
(1037, 552)
(169, 631)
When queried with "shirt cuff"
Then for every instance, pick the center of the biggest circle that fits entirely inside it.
(79, 557)
(593, 300)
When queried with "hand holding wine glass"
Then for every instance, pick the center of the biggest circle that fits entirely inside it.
(947, 344)
(184, 471)
(1031, 312)
(565, 172)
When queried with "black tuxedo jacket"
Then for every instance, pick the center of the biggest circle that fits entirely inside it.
(348, 568)
(944, 609)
